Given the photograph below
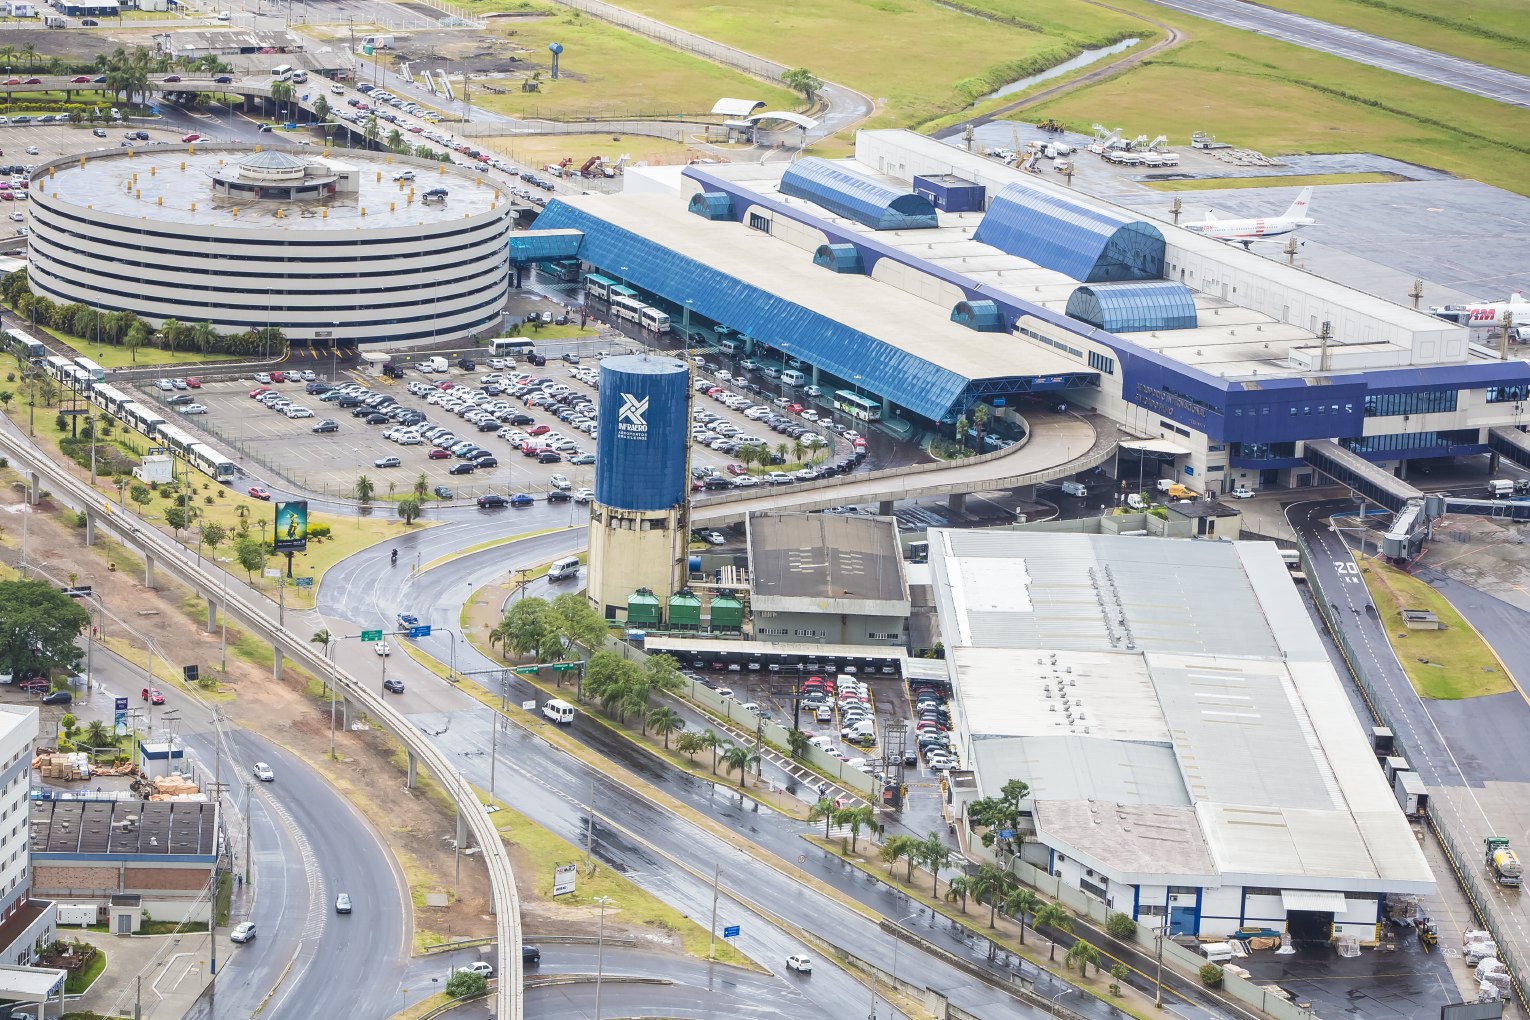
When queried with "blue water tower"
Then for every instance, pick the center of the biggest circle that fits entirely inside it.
(556, 49)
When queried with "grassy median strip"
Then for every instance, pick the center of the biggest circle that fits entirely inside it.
(1445, 664)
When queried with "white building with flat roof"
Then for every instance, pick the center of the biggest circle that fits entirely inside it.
(1188, 745)
(24, 921)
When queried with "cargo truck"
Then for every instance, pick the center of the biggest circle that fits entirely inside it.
(1498, 488)
(1502, 862)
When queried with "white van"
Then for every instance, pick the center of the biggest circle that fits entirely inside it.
(564, 568)
(793, 378)
(559, 711)
(437, 364)
(1071, 488)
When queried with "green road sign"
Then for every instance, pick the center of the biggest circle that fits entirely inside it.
(564, 667)
(371, 635)
(527, 670)
(304, 582)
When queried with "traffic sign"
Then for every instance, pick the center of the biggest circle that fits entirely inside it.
(371, 635)
(273, 572)
(1006, 833)
(304, 582)
(527, 670)
(731, 931)
(423, 630)
(529, 706)
(564, 667)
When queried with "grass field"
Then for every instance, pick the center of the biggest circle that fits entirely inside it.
(608, 73)
(1446, 664)
(113, 356)
(1491, 32)
(1264, 94)
(916, 59)
(1297, 181)
(540, 150)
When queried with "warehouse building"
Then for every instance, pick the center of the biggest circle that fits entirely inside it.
(1188, 745)
(917, 280)
(827, 579)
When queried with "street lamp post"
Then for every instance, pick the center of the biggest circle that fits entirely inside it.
(896, 942)
(600, 951)
(1163, 933)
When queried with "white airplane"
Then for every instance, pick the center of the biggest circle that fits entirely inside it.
(1484, 316)
(1246, 232)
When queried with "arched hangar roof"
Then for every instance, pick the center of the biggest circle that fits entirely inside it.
(1057, 232)
(1134, 307)
(846, 194)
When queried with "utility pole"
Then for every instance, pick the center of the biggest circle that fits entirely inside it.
(600, 951)
(1177, 207)
(247, 787)
(712, 946)
(1503, 338)
(1163, 933)
(589, 834)
(1325, 336)
(493, 756)
(1416, 293)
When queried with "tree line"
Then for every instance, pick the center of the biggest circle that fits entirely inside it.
(125, 329)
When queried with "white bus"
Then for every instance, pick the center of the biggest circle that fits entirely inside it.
(857, 406)
(511, 346)
(95, 371)
(598, 287)
(281, 72)
(211, 462)
(653, 319)
(629, 308)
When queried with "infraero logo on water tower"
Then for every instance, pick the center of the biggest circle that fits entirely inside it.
(632, 419)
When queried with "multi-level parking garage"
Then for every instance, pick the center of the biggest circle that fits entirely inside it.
(327, 248)
(922, 281)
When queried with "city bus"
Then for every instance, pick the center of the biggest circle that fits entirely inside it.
(211, 462)
(598, 287)
(857, 406)
(25, 347)
(652, 319)
(511, 346)
(90, 368)
(563, 270)
(624, 307)
(617, 290)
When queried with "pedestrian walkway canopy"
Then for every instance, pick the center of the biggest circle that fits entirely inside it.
(736, 107)
(854, 197)
(1377, 484)
(544, 245)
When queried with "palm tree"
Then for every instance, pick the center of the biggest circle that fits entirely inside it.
(711, 742)
(738, 759)
(396, 140)
(1084, 954)
(665, 721)
(369, 131)
(903, 847)
(321, 638)
(858, 818)
(799, 450)
(1055, 917)
(797, 743)
(321, 109)
(781, 450)
(980, 415)
(30, 52)
(202, 335)
(98, 734)
(991, 883)
(1019, 903)
(282, 93)
(961, 886)
(826, 810)
(364, 489)
(935, 854)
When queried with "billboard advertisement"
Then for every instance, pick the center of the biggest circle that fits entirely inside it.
(642, 433)
(291, 534)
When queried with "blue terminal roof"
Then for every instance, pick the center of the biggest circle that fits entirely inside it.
(910, 381)
(1091, 245)
(983, 316)
(1134, 307)
(714, 205)
(842, 258)
(850, 195)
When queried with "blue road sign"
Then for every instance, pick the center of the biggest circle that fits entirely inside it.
(423, 630)
(1006, 833)
(731, 931)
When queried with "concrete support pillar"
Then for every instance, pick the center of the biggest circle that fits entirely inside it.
(212, 615)
(413, 770)
(90, 528)
(276, 662)
(1494, 460)
(815, 375)
(148, 570)
(956, 502)
(885, 508)
(462, 828)
(886, 409)
(34, 485)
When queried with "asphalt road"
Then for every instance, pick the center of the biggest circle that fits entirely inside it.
(662, 852)
(307, 843)
(1387, 54)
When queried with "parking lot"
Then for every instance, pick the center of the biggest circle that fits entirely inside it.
(557, 413)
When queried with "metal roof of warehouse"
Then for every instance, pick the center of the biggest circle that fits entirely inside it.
(829, 558)
(900, 346)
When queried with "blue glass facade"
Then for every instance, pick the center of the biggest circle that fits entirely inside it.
(983, 316)
(1134, 307)
(543, 245)
(841, 258)
(850, 195)
(714, 205)
(642, 432)
(1088, 244)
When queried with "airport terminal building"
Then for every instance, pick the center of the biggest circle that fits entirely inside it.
(1189, 747)
(920, 280)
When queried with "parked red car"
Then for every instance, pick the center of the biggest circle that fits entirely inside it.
(192, 137)
(278, 377)
(194, 382)
(257, 391)
(438, 454)
(259, 493)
